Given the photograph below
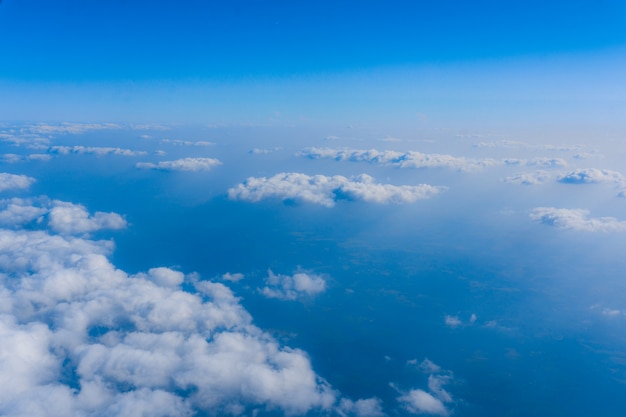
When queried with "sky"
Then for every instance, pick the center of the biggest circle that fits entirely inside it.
(351, 209)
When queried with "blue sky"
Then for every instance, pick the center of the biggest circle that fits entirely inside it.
(342, 209)
(248, 62)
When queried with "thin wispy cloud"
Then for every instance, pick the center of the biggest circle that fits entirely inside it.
(184, 164)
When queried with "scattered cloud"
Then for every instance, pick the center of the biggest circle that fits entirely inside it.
(185, 164)
(258, 151)
(236, 277)
(80, 337)
(370, 407)
(452, 321)
(528, 178)
(576, 219)
(13, 182)
(69, 218)
(410, 159)
(433, 401)
(320, 189)
(536, 162)
(71, 128)
(13, 158)
(293, 287)
(178, 142)
(94, 150)
(592, 176)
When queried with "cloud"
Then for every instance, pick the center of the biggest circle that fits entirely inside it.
(534, 162)
(528, 178)
(236, 277)
(410, 159)
(94, 150)
(576, 219)
(12, 181)
(592, 176)
(178, 142)
(13, 158)
(185, 164)
(72, 128)
(287, 287)
(16, 212)
(452, 321)
(370, 407)
(80, 337)
(320, 189)
(68, 218)
(258, 151)
(433, 401)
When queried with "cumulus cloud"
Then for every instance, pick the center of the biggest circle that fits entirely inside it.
(536, 162)
(433, 401)
(370, 407)
(236, 277)
(16, 212)
(576, 219)
(320, 189)
(12, 181)
(71, 218)
(592, 176)
(410, 159)
(80, 337)
(185, 164)
(293, 287)
(93, 150)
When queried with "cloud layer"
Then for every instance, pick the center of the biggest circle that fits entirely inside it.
(324, 190)
(287, 287)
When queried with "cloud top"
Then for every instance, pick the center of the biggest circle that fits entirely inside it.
(12, 181)
(293, 287)
(326, 191)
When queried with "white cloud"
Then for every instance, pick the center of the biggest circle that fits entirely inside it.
(434, 401)
(410, 159)
(537, 162)
(12, 181)
(452, 321)
(80, 337)
(72, 128)
(324, 190)
(185, 164)
(287, 287)
(13, 158)
(178, 142)
(236, 277)
(418, 401)
(94, 150)
(370, 407)
(576, 219)
(17, 212)
(592, 176)
(528, 178)
(71, 218)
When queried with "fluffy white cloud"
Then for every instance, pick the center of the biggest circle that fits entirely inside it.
(12, 181)
(71, 218)
(236, 277)
(324, 190)
(370, 407)
(94, 150)
(185, 164)
(434, 400)
(287, 287)
(410, 159)
(536, 162)
(13, 158)
(576, 219)
(592, 176)
(17, 212)
(80, 337)
(418, 401)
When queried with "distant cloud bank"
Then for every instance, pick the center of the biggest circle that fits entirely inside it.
(184, 164)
